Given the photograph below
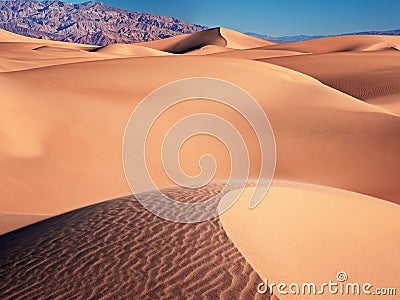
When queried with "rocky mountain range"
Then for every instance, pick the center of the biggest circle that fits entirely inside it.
(98, 24)
(89, 23)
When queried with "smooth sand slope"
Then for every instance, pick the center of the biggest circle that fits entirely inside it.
(118, 250)
(65, 124)
(255, 53)
(12, 37)
(317, 232)
(21, 53)
(6, 36)
(362, 75)
(10, 222)
(130, 50)
(366, 67)
(24, 56)
(390, 103)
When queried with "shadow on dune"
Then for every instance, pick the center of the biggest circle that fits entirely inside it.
(119, 250)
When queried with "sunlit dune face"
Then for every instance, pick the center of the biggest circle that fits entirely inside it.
(201, 144)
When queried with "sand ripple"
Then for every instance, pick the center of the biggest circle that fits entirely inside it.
(118, 250)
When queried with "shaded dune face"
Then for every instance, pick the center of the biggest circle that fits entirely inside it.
(219, 37)
(119, 250)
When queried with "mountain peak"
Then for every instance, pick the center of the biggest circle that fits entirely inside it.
(90, 22)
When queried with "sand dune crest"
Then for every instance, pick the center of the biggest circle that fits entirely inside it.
(317, 232)
(220, 37)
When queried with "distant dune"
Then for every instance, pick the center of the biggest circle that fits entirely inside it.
(9, 37)
(221, 37)
(361, 75)
(130, 50)
(6, 36)
(256, 54)
(344, 44)
(365, 67)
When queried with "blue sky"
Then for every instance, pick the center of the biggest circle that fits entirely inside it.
(277, 17)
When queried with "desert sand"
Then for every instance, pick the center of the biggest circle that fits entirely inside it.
(119, 250)
(11, 222)
(390, 103)
(221, 37)
(332, 103)
(60, 121)
(362, 75)
(317, 232)
(347, 43)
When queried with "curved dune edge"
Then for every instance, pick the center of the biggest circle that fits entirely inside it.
(188, 42)
(130, 50)
(118, 250)
(209, 49)
(255, 54)
(220, 37)
(389, 103)
(11, 222)
(10, 37)
(363, 75)
(329, 138)
(317, 232)
(344, 43)
(237, 40)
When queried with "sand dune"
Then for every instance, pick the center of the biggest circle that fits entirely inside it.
(188, 42)
(220, 37)
(10, 222)
(6, 36)
(345, 43)
(390, 103)
(208, 49)
(237, 40)
(320, 136)
(56, 49)
(256, 54)
(21, 53)
(317, 232)
(118, 250)
(64, 108)
(9, 37)
(362, 75)
(130, 50)
(11, 65)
